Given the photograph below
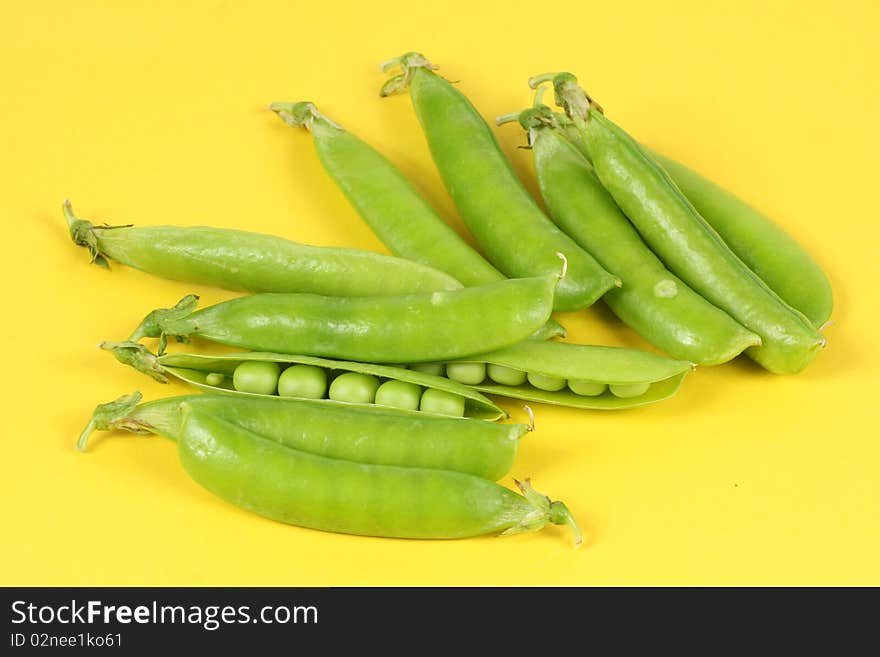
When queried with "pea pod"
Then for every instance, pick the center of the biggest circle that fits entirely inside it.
(196, 369)
(683, 240)
(403, 329)
(774, 255)
(510, 228)
(653, 301)
(251, 262)
(770, 252)
(404, 221)
(607, 378)
(395, 211)
(382, 437)
(291, 486)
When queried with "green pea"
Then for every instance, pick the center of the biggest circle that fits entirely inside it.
(214, 379)
(469, 373)
(442, 402)
(258, 376)
(307, 381)
(354, 387)
(586, 388)
(399, 394)
(626, 391)
(437, 369)
(506, 376)
(544, 382)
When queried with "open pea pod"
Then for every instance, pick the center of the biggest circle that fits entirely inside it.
(196, 368)
(607, 378)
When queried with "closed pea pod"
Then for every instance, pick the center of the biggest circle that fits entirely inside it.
(411, 328)
(299, 488)
(401, 218)
(653, 301)
(214, 374)
(506, 222)
(334, 495)
(252, 262)
(390, 205)
(765, 247)
(673, 228)
(774, 255)
(339, 431)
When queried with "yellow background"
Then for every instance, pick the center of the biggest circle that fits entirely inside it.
(156, 113)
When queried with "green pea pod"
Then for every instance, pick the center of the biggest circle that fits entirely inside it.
(652, 301)
(403, 329)
(618, 368)
(251, 262)
(683, 240)
(404, 221)
(506, 222)
(774, 255)
(765, 247)
(289, 485)
(298, 488)
(196, 368)
(383, 437)
(395, 211)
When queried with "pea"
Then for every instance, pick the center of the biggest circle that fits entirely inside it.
(544, 382)
(506, 376)
(306, 381)
(214, 379)
(258, 376)
(586, 388)
(626, 391)
(354, 387)
(399, 394)
(469, 373)
(436, 369)
(442, 402)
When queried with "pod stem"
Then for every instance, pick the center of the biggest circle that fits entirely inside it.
(531, 414)
(82, 233)
(157, 323)
(532, 119)
(545, 511)
(507, 118)
(137, 356)
(538, 80)
(408, 63)
(568, 94)
(302, 114)
(114, 415)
